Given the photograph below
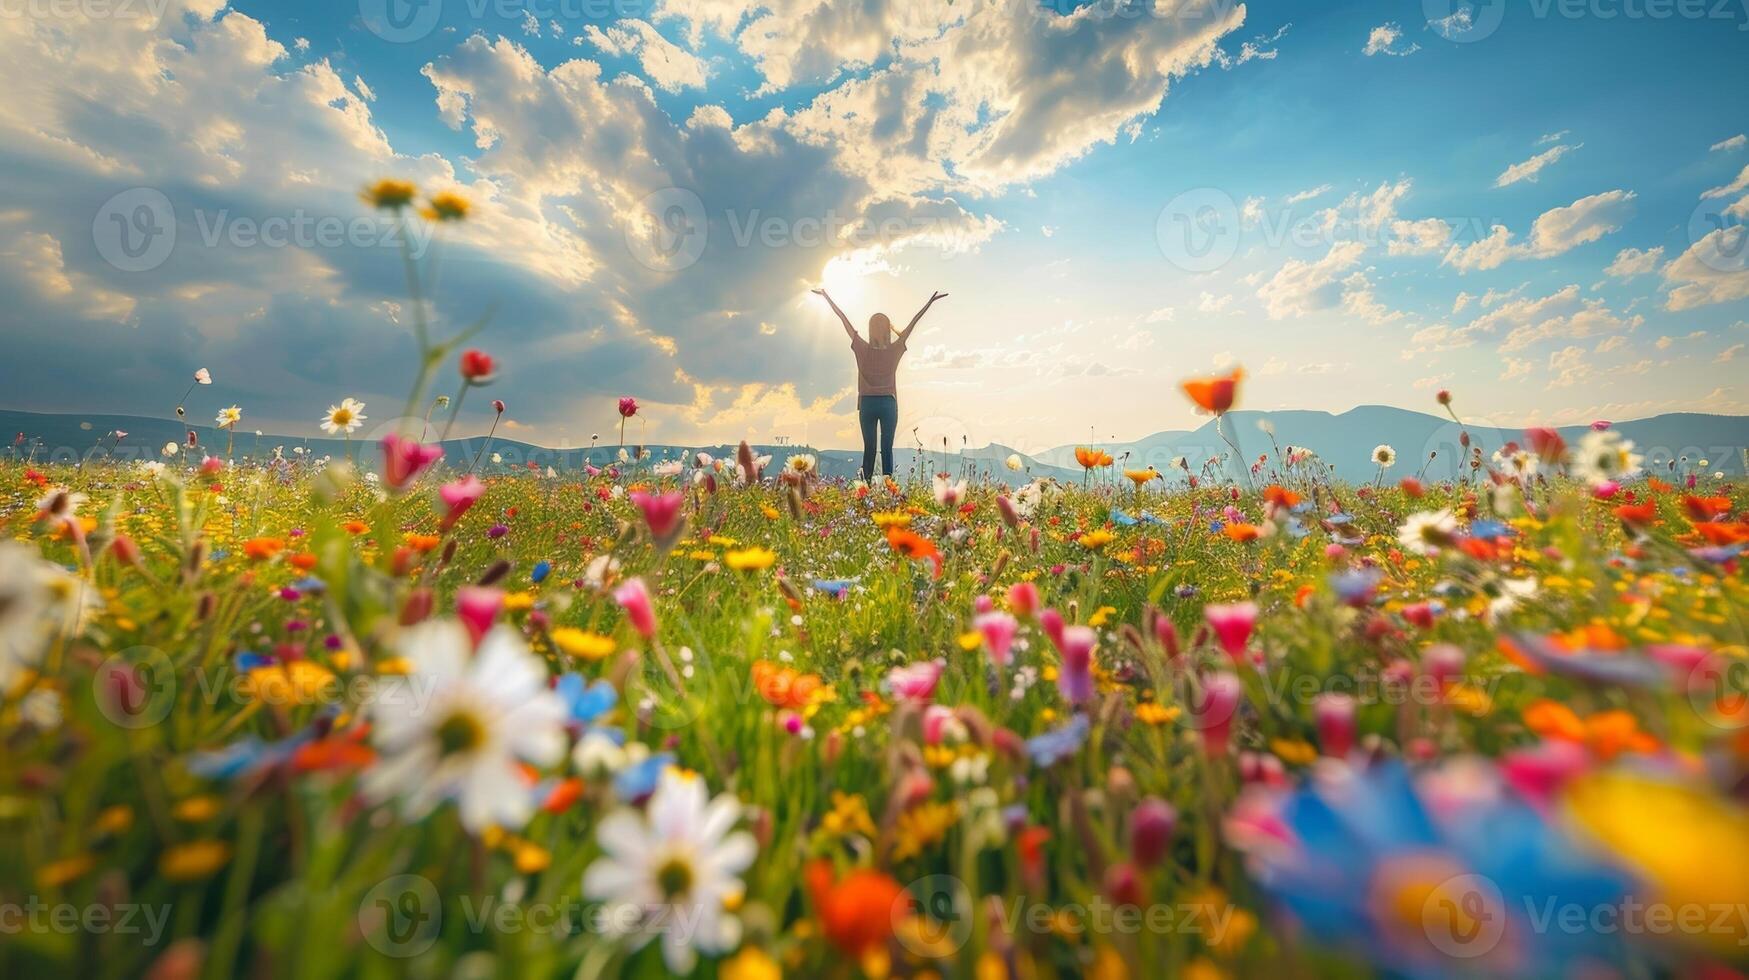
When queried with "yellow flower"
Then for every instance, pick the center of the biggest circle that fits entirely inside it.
(529, 857)
(970, 640)
(1096, 539)
(390, 194)
(849, 815)
(518, 602)
(718, 541)
(922, 827)
(1101, 615)
(67, 870)
(196, 808)
(583, 644)
(771, 513)
(114, 820)
(752, 559)
(446, 206)
(892, 518)
(1294, 751)
(194, 860)
(1152, 713)
(751, 963)
(299, 682)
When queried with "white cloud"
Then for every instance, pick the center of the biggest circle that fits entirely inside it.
(1729, 354)
(1555, 232)
(1631, 262)
(1548, 138)
(1423, 237)
(1736, 142)
(1359, 301)
(1463, 300)
(1164, 314)
(1560, 315)
(1711, 271)
(1383, 40)
(1529, 169)
(1740, 184)
(1300, 287)
(1309, 194)
(669, 66)
(1210, 303)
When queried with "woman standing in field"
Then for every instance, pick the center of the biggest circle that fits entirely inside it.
(877, 380)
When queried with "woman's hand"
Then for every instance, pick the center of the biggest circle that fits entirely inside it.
(820, 291)
(935, 296)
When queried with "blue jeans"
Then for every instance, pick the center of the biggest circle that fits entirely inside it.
(882, 412)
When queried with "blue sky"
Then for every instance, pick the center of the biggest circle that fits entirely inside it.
(1538, 206)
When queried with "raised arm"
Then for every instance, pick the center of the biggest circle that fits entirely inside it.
(848, 329)
(905, 334)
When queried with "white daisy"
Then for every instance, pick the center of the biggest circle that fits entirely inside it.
(345, 417)
(601, 571)
(802, 463)
(229, 416)
(1425, 532)
(456, 727)
(1605, 456)
(672, 870)
(1384, 456)
(1014, 462)
(38, 600)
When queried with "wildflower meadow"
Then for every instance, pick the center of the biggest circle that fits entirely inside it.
(400, 713)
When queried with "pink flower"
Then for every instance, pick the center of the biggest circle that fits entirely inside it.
(1167, 633)
(664, 513)
(1539, 773)
(1606, 490)
(1051, 622)
(1444, 663)
(405, 459)
(998, 630)
(635, 599)
(1075, 679)
(1334, 714)
(935, 719)
(458, 496)
(628, 407)
(1232, 624)
(915, 682)
(1151, 826)
(1023, 598)
(477, 607)
(1213, 708)
(1599, 425)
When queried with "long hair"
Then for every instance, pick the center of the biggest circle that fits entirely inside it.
(880, 331)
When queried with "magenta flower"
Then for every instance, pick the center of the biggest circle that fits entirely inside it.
(1334, 714)
(1212, 711)
(634, 598)
(1051, 622)
(915, 682)
(1023, 598)
(664, 513)
(998, 629)
(458, 496)
(1151, 826)
(1232, 624)
(478, 607)
(628, 407)
(405, 459)
(1075, 679)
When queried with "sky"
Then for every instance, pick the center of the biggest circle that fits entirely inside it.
(1539, 206)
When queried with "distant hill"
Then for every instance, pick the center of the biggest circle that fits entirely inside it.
(1344, 440)
(70, 438)
(1347, 440)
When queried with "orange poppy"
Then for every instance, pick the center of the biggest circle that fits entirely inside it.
(1242, 532)
(1091, 458)
(784, 687)
(1281, 496)
(857, 912)
(261, 549)
(1216, 394)
(1703, 509)
(1637, 515)
(912, 545)
(1724, 534)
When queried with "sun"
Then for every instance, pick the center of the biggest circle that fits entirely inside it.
(850, 280)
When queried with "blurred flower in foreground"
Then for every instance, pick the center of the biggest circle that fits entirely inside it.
(1441, 874)
(458, 725)
(673, 870)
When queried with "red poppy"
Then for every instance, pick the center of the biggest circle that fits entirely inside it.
(1215, 394)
